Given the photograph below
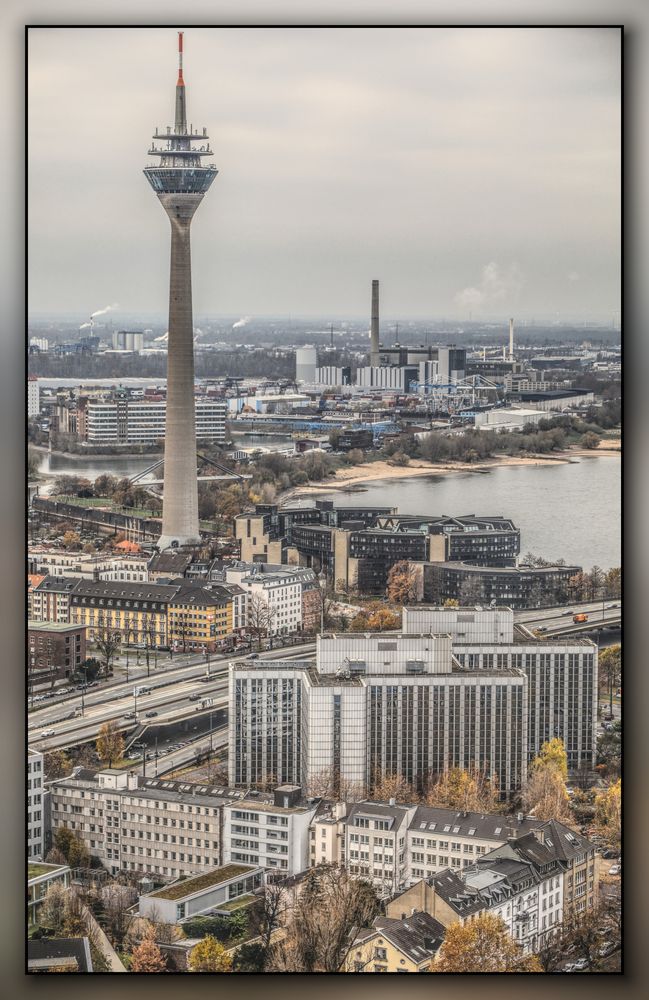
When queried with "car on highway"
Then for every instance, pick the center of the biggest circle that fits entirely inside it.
(615, 870)
(609, 607)
(46, 733)
(129, 715)
(150, 715)
(195, 697)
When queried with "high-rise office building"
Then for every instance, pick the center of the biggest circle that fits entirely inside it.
(180, 181)
(374, 705)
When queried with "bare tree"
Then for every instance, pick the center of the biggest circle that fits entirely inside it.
(330, 909)
(107, 641)
(260, 617)
(267, 914)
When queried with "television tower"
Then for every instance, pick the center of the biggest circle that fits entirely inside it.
(180, 182)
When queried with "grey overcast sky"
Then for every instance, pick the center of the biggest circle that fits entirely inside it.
(474, 171)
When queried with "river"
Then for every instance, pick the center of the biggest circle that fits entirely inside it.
(568, 511)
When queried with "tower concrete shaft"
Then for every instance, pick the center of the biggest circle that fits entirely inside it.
(180, 181)
(511, 340)
(374, 329)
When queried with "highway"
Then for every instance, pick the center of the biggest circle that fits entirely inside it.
(557, 622)
(174, 696)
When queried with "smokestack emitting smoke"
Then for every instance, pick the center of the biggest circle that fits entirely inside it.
(374, 330)
(511, 340)
(100, 312)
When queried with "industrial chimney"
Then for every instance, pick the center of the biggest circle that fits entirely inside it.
(511, 340)
(374, 331)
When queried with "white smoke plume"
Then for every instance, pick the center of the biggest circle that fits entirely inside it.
(84, 326)
(100, 312)
(496, 286)
(241, 322)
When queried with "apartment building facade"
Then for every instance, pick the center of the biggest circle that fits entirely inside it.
(35, 805)
(50, 599)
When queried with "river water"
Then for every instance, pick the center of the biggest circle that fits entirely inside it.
(566, 510)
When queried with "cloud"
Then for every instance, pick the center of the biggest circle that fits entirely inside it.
(573, 276)
(496, 285)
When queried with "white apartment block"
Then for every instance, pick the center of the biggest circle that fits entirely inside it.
(149, 825)
(269, 834)
(90, 567)
(375, 844)
(175, 828)
(561, 673)
(137, 421)
(373, 705)
(35, 805)
(33, 397)
(445, 838)
(279, 587)
(50, 600)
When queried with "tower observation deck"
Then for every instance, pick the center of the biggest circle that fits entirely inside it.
(180, 182)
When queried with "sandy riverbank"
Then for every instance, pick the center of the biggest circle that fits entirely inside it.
(357, 475)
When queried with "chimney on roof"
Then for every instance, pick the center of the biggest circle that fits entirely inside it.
(539, 833)
(392, 802)
(520, 817)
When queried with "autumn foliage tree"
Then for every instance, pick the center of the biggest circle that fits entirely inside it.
(110, 743)
(402, 583)
(545, 794)
(147, 957)
(209, 955)
(483, 945)
(469, 790)
(608, 812)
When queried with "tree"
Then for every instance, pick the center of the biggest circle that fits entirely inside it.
(392, 786)
(330, 909)
(610, 671)
(589, 441)
(209, 955)
(469, 790)
(402, 583)
(57, 764)
(594, 936)
(72, 541)
(107, 642)
(249, 957)
(383, 620)
(52, 910)
(265, 917)
(545, 794)
(609, 749)
(110, 743)
(260, 617)
(147, 957)
(72, 847)
(450, 602)
(484, 945)
(552, 756)
(608, 812)
(359, 623)
(105, 485)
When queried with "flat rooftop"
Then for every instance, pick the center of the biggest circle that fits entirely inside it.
(190, 886)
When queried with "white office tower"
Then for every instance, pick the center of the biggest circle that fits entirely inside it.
(306, 362)
(561, 673)
(374, 705)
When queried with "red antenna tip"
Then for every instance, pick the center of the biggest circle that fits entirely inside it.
(180, 82)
